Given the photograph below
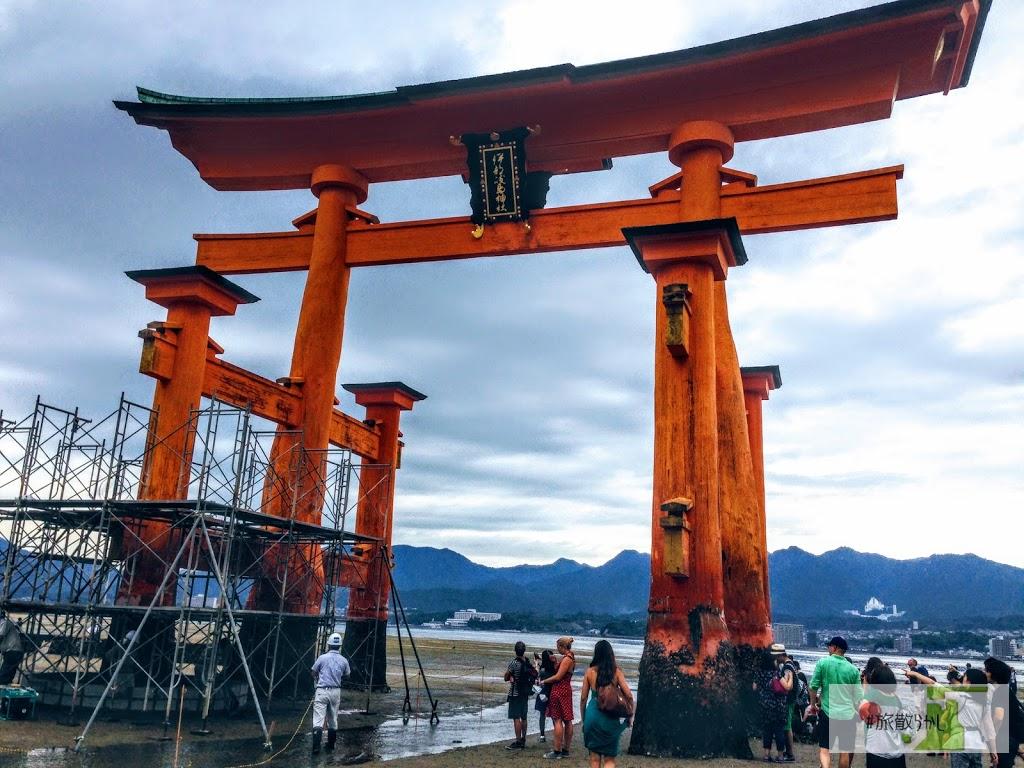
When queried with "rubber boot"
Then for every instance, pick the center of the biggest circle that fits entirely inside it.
(318, 735)
(332, 739)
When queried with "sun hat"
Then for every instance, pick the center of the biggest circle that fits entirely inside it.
(778, 649)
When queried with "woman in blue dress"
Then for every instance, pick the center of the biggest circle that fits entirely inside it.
(601, 732)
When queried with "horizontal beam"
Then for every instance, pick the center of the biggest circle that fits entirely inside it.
(267, 399)
(240, 387)
(353, 434)
(847, 199)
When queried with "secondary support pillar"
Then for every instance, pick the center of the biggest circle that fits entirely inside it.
(687, 702)
(191, 295)
(758, 382)
(366, 620)
(744, 556)
(293, 576)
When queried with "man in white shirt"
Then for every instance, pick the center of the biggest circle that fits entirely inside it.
(329, 670)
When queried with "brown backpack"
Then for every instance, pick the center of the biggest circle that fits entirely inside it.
(612, 701)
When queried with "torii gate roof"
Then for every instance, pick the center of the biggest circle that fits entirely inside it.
(840, 70)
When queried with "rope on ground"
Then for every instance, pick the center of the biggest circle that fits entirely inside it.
(473, 675)
(282, 749)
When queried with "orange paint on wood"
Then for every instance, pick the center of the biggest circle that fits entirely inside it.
(831, 201)
(846, 70)
(685, 403)
(686, 465)
(375, 510)
(245, 389)
(757, 383)
(316, 356)
(191, 296)
(744, 554)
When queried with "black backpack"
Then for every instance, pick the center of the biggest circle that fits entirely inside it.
(793, 693)
(527, 677)
(1015, 717)
(803, 695)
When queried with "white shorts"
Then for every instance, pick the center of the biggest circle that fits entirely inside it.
(325, 707)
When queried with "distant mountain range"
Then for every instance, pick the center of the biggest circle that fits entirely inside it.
(802, 585)
(926, 587)
(438, 580)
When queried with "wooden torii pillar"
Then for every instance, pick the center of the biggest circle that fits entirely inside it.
(297, 455)
(704, 495)
(191, 295)
(365, 641)
(758, 382)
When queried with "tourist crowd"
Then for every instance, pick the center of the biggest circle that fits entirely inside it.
(605, 703)
(838, 702)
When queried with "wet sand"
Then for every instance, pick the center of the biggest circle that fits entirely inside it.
(496, 756)
(464, 676)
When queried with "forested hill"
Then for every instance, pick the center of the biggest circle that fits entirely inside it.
(803, 584)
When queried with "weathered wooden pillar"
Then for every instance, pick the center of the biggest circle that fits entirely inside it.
(758, 381)
(366, 620)
(687, 702)
(744, 558)
(293, 576)
(191, 295)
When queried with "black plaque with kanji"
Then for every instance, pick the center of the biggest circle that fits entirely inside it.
(497, 175)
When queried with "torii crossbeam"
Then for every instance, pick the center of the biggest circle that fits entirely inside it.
(708, 614)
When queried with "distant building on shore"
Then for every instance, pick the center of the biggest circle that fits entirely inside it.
(903, 643)
(876, 609)
(463, 617)
(1000, 647)
(790, 635)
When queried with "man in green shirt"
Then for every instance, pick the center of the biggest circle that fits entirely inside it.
(836, 721)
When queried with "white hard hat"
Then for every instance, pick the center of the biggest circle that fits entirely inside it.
(334, 641)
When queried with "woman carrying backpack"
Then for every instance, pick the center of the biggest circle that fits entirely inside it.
(602, 729)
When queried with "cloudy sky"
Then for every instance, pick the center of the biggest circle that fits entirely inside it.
(900, 425)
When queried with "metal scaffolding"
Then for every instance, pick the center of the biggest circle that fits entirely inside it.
(78, 534)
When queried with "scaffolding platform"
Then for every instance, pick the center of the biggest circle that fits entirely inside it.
(135, 604)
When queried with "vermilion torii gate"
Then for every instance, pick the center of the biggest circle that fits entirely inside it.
(709, 589)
